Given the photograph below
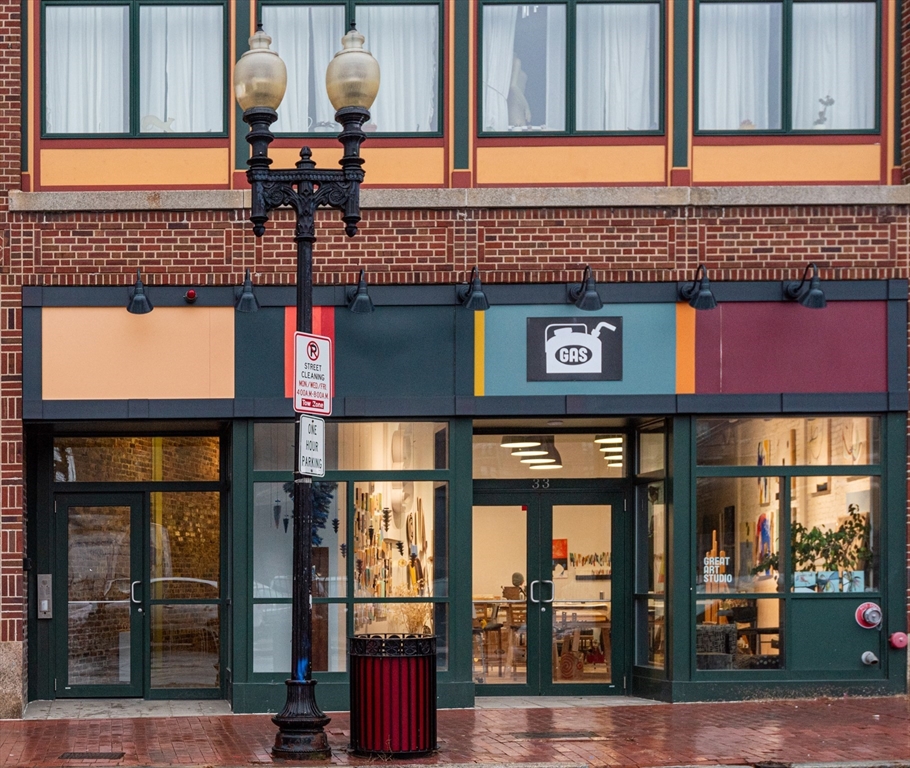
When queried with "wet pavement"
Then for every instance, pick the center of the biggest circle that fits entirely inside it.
(560, 732)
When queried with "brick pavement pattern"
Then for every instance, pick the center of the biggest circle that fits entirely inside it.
(793, 731)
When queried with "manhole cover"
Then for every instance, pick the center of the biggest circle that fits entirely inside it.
(555, 735)
(91, 755)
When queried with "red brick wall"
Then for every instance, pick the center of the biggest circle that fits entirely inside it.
(440, 246)
(11, 469)
(904, 70)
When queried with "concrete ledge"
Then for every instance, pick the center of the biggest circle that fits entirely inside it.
(505, 197)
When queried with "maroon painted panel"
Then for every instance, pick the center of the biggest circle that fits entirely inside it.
(764, 347)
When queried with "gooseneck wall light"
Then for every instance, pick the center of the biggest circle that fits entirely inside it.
(699, 294)
(138, 302)
(358, 297)
(352, 81)
(585, 296)
(810, 294)
(471, 295)
(246, 300)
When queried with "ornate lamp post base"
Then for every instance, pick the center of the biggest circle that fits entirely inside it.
(301, 724)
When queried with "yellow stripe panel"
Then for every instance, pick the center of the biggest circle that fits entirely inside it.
(685, 349)
(479, 327)
(793, 163)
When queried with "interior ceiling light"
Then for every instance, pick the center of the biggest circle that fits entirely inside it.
(614, 464)
(608, 439)
(552, 454)
(537, 450)
(519, 441)
(611, 449)
(538, 460)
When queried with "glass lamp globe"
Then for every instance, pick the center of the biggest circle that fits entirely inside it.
(260, 76)
(352, 78)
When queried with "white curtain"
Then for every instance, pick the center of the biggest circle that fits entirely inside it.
(556, 69)
(498, 55)
(618, 67)
(87, 62)
(181, 69)
(739, 59)
(306, 38)
(534, 89)
(834, 61)
(404, 39)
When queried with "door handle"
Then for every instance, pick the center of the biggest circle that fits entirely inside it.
(531, 592)
(133, 593)
(552, 591)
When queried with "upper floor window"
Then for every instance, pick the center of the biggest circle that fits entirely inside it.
(606, 77)
(404, 38)
(134, 68)
(787, 65)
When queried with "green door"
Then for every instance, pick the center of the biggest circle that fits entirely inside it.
(99, 621)
(550, 594)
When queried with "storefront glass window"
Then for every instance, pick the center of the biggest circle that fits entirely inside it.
(652, 533)
(272, 637)
(372, 446)
(732, 633)
(651, 452)
(576, 455)
(136, 459)
(397, 527)
(834, 534)
(273, 537)
(737, 533)
(835, 440)
(651, 649)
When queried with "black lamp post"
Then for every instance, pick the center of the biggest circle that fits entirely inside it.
(352, 80)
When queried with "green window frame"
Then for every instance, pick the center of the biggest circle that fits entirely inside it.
(790, 492)
(410, 115)
(348, 601)
(576, 116)
(787, 65)
(137, 126)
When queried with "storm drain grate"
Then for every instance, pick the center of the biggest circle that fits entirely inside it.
(91, 755)
(563, 735)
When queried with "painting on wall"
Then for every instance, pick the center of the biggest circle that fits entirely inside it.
(818, 453)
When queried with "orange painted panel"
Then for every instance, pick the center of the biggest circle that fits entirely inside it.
(685, 349)
(182, 166)
(105, 353)
(629, 164)
(782, 163)
(385, 166)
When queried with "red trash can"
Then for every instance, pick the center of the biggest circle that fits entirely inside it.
(393, 694)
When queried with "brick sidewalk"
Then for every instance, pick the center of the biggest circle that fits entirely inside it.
(873, 730)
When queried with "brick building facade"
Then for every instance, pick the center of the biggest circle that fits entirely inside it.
(529, 212)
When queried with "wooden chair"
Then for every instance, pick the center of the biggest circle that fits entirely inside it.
(517, 648)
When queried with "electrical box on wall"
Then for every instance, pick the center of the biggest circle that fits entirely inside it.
(45, 596)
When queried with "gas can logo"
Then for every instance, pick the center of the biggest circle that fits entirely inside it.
(574, 348)
(570, 348)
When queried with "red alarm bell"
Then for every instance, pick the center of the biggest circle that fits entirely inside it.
(898, 640)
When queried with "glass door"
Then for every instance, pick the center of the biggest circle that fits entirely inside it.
(548, 593)
(98, 584)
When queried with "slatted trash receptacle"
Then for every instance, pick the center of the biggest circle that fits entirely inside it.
(393, 694)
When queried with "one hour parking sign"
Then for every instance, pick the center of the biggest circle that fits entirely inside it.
(312, 446)
(312, 374)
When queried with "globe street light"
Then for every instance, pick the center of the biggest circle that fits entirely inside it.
(260, 80)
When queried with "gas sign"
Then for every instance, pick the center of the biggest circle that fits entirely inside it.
(574, 349)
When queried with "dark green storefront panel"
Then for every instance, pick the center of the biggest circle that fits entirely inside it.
(395, 352)
(825, 638)
(259, 353)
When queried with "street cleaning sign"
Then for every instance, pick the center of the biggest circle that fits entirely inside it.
(312, 446)
(313, 371)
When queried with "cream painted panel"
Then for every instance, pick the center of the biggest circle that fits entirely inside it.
(134, 167)
(636, 164)
(796, 163)
(105, 353)
(386, 166)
